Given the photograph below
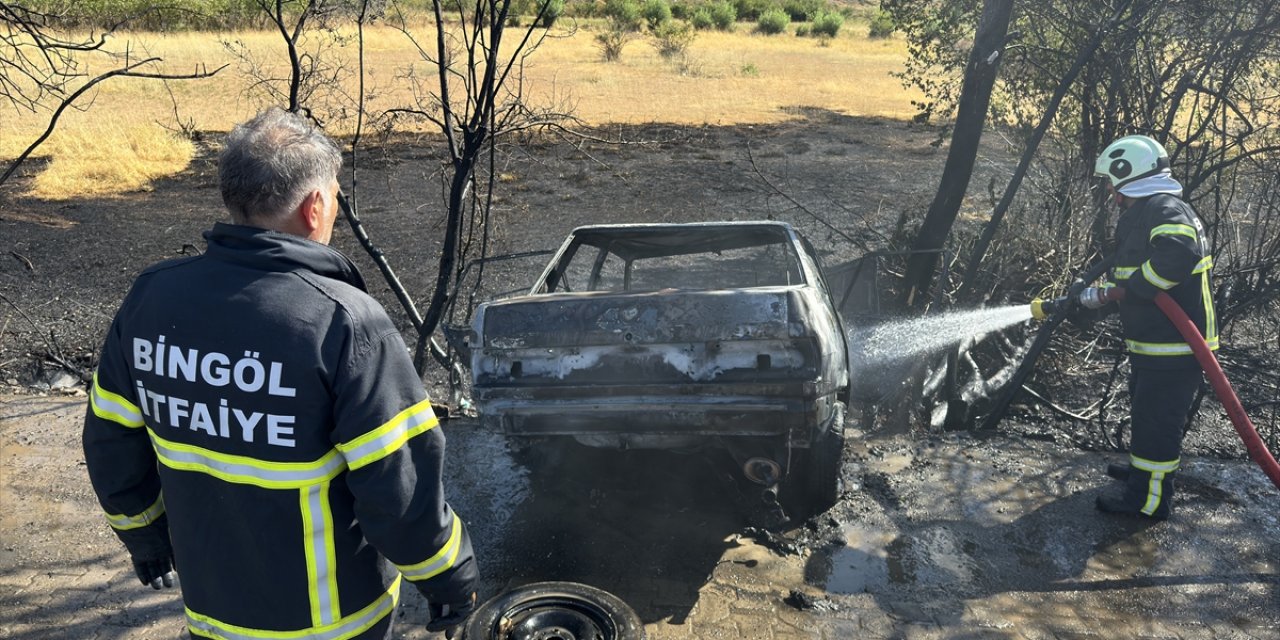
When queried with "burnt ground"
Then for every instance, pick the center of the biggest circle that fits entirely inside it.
(938, 535)
(67, 265)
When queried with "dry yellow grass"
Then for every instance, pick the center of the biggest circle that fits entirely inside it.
(106, 160)
(119, 144)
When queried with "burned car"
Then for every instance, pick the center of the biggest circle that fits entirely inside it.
(675, 336)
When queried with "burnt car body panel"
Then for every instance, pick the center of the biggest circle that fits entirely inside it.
(667, 336)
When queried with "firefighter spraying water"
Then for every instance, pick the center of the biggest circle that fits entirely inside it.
(1160, 285)
(1043, 309)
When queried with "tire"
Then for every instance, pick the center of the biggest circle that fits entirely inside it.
(554, 610)
(823, 462)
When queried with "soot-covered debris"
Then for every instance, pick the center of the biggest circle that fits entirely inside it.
(802, 601)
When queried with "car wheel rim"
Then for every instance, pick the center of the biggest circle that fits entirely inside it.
(557, 618)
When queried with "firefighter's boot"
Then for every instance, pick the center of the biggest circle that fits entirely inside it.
(1146, 494)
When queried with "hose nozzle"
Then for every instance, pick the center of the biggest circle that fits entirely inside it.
(1041, 309)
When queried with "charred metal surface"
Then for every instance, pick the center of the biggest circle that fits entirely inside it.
(658, 336)
(600, 318)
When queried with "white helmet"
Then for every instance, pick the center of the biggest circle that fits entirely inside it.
(1131, 158)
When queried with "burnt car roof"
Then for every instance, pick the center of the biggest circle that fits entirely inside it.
(633, 241)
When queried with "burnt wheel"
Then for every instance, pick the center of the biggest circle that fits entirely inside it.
(554, 611)
(819, 481)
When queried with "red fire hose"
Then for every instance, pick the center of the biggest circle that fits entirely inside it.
(1041, 309)
(1221, 386)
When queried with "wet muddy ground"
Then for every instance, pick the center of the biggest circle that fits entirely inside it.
(943, 537)
(951, 536)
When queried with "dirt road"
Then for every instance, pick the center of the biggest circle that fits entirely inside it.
(948, 537)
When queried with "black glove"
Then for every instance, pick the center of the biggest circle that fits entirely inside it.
(1073, 292)
(448, 616)
(155, 572)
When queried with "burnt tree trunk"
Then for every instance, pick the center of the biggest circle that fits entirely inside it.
(969, 283)
(971, 116)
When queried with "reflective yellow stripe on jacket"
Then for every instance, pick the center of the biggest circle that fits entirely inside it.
(1210, 319)
(123, 522)
(442, 560)
(1202, 269)
(246, 470)
(310, 479)
(1172, 230)
(113, 407)
(386, 439)
(1162, 283)
(340, 629)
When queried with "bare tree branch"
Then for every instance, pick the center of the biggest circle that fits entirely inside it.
(127, 71)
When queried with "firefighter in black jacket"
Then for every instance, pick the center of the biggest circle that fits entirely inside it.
(256, 419)
(1160, 245)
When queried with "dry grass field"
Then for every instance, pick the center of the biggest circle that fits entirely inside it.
(125, 138)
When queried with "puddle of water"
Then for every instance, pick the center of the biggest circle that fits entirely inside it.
(483, 482)
(875, 561)
(861, 565)
(1125, 558)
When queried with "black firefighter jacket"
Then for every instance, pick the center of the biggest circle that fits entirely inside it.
(1161, 246)
(255, 406)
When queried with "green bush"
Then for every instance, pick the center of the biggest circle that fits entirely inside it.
(701, 18)
(681, 10)
(827, 23)
(152, 15)
(623, 14)
(584, 8)
(723, 14)
(555, 9)
(656, 13)
(773, 21)
(751, 9)
(882, 25)
(803, 10)
(611, 41)
(802, 30)
(672, 39)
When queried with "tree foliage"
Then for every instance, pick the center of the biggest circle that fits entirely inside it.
(1198, 75)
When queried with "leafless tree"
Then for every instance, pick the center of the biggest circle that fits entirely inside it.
(317, 79)
(475, 98)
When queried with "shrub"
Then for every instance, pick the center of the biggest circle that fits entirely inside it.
(802, 10)
(750, 70)
(827, 23)
(584, 8)
(751, 9)
(802, 30)
(773, 21)
(656, 13)
(611, 42)
(723, 15)
(681, 11)
(882, 25)
(672, 39)
(623, 14)
(701, 18)
(555, 9)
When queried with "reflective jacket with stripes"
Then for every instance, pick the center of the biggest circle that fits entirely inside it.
(1161, 246)
(257, 408)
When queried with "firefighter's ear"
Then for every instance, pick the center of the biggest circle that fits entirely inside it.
(312, 210)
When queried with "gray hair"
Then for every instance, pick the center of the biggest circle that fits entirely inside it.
(270, 163)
